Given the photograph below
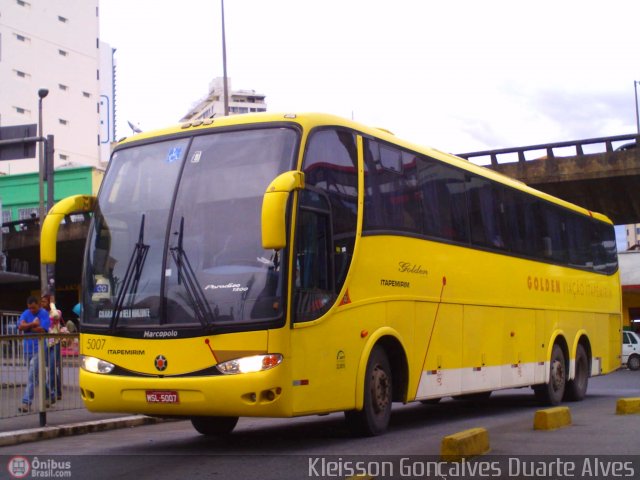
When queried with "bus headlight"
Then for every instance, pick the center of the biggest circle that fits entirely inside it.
(95, 365)
(257, 363)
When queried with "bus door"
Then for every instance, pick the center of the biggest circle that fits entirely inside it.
(324, 364)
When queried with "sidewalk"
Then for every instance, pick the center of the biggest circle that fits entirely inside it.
(62, 423)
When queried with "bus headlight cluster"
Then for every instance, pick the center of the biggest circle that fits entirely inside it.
(257, 363)
(95, 365)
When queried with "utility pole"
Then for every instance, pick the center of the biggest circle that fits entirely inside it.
(224, 65)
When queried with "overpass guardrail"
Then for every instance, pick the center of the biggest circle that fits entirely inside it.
(549, 151)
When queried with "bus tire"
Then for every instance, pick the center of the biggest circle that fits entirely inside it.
(577, 388)
(633, 362)
(374, 417)
(214, 425)
(551, 393)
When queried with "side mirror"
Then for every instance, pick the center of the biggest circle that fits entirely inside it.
(49, 234)
(274, 206)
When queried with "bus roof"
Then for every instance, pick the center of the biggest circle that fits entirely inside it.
(309, 121)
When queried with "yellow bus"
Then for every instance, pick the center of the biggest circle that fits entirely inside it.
(280, 265)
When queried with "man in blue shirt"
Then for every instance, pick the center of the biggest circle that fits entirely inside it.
(33, 320)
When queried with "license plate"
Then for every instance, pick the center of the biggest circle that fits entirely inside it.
(162, 396)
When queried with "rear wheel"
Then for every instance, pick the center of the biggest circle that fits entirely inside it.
(214, 425)
(374, 417)
(577, 388)
(551, 393)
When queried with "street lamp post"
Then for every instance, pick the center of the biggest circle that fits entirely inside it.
(42, 93)
(224, 65)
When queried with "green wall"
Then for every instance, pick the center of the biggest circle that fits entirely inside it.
(21, 191)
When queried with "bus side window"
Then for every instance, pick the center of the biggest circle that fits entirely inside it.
(314, 289)
(327, 219)
(331, 165)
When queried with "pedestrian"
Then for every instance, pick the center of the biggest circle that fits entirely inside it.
(56, 326)
(33, 320)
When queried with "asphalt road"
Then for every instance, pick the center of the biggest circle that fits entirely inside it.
(322, 447)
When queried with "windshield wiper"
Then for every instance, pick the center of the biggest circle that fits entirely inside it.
(132, 275)
(194, 291)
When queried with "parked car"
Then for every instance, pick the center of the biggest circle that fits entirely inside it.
(631, 350)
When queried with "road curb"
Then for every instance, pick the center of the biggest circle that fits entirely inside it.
(45, 433)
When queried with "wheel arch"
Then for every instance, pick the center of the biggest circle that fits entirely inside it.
(391, 341)
(558, 338)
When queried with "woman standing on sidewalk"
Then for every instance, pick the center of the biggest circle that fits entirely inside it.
(55, 355)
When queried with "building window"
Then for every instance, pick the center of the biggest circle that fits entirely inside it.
(6, 216)
(22, 38)
(27, 213)
(22, 3)
(22, 111)
(62, 19)
(63, 53)
(86, 94)
(63, 157)
(22, 74)
(63, 87)
(62, 121)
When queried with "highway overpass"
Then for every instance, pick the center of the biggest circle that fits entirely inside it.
(598, 173)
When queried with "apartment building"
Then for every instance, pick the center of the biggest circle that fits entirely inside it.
(54, 45)
(212, 104)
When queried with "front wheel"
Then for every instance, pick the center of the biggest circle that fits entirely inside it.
(374, 417)
(633, 363)
(551, 393)
(214, 425)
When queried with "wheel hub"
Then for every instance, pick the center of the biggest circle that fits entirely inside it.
(380, 389)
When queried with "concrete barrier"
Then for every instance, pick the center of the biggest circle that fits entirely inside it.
(552, 418)
(626, 406)
(465, 444)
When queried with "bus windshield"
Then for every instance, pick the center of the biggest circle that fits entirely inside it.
(176, 234)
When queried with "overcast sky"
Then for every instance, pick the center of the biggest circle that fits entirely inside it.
(456, 75)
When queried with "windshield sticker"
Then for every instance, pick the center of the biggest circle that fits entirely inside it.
(127, 313)
(174, 154)
(235, 287)
(195, 158)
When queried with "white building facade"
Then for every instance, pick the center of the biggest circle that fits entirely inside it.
(632, 234)
(212, 105)
(54, 44)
